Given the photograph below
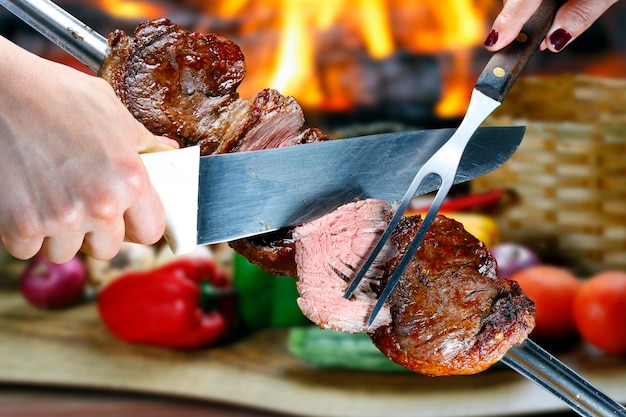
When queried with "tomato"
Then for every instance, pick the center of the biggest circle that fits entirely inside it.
(553, 290)
(600, 311)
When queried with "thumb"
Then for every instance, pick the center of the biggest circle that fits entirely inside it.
(152, 143)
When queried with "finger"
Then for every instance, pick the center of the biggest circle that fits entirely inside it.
(22, 248)
(158, 143)
(145, 219)
(62, 249)
(509, 22)
(572, 19)
(151, 143)
(104, 243)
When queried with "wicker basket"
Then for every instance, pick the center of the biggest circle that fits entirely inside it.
(569, 173)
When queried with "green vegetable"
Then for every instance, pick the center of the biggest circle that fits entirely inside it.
(338, 350)
(265, 300)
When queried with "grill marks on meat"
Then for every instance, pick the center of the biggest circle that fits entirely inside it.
(176, 83)
(182, 84)
(449, 314)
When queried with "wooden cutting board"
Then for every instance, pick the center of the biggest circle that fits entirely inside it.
(72, 348)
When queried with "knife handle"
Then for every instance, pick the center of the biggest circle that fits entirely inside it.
(175, 177)
(505, 65)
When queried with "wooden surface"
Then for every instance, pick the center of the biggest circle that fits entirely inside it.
(71, 349)
(26, 401)
(21, 401)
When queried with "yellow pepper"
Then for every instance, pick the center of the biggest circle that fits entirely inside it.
(483, 227)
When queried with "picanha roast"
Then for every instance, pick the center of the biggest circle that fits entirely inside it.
(449, 314)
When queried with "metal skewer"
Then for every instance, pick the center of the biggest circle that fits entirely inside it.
(63, 29)
(528, 359)
(542, 368)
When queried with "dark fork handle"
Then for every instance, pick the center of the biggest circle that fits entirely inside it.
(505, 66)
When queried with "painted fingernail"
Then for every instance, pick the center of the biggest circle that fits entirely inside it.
(492, 38)
(559, 38)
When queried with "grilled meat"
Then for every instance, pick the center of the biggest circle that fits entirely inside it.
(449, 314)
(329, 251)
(182, 85)
(274, 252)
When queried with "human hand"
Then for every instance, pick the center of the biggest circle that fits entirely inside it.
(572, 19)
(71, 177)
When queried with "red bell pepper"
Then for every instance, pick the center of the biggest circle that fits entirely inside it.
(185, 304)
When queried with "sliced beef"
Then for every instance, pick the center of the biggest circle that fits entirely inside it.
(178, 84)
(329, 251)
(182, 84)
(449, 314)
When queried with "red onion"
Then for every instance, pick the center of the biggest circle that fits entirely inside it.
(512, 257)
(50, 286)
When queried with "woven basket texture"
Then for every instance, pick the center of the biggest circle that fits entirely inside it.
(569, 174)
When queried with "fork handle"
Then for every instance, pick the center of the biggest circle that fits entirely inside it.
(505, 65)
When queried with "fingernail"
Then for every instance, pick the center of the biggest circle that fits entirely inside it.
(492, 38)
(559, 38)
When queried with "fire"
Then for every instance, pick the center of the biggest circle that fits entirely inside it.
(300, 22)
(301, 29)
(129, 9)
(295, 68)
(451, 27)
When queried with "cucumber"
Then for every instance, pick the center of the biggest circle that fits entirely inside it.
(337, 350)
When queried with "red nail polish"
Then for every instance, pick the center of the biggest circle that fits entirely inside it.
(559, 38)
(492, 38)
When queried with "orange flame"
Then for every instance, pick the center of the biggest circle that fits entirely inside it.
(129, 9)
(295, 66)
(452, 28)
(449, 28)
(299, 21)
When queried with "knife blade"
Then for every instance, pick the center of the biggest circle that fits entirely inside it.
(220, 198)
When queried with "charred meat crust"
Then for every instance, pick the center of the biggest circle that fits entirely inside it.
(182, 85)
(450, 313)
(175, 82)
(274, 252)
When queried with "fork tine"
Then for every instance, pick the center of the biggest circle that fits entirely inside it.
(412, 190)
(446, 184)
